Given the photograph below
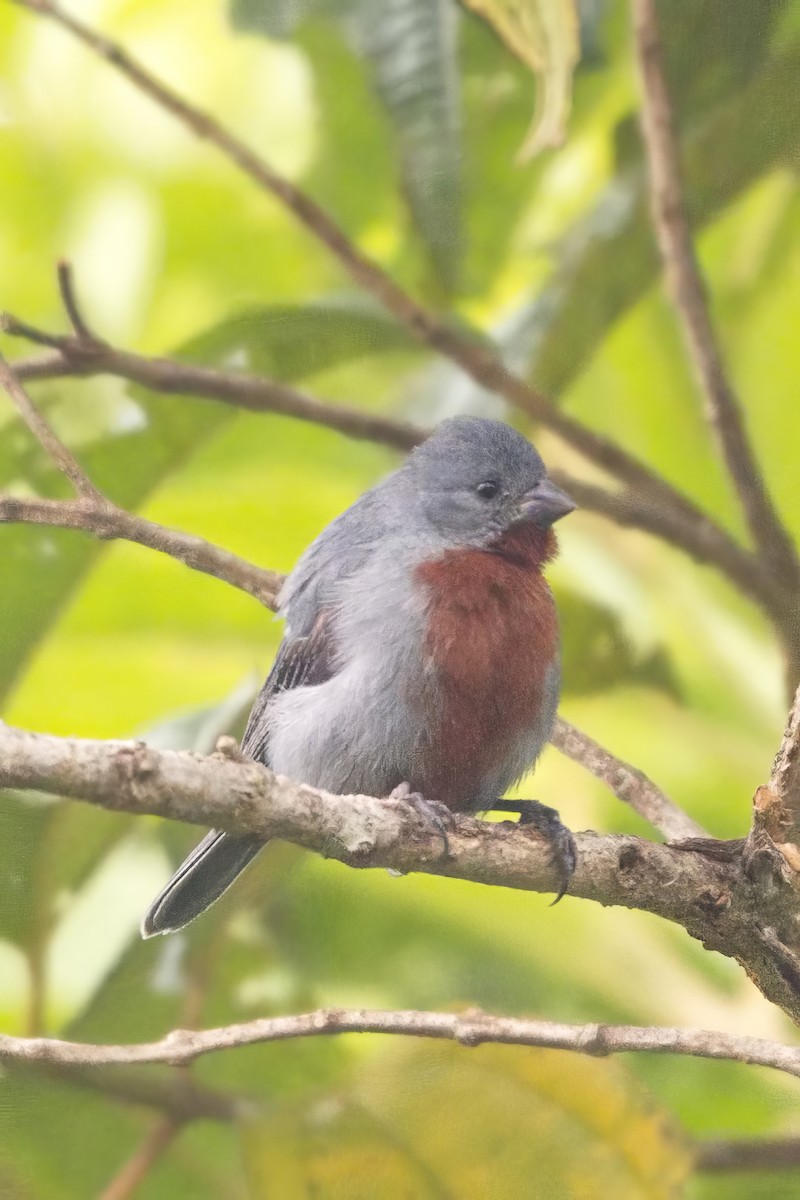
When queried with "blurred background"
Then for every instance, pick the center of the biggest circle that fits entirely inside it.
(406, 125)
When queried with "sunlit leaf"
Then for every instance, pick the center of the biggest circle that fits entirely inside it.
(46, 565)
(544, 34)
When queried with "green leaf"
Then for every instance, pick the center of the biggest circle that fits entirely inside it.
(411, 50)
(274, 18)
(604, 264)
(544, 34)
(597, 653)
(291, 342)
(90, 1134)
(23, 822)
(609, 259)
(438, 1120)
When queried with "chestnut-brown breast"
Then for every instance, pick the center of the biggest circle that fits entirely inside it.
(491, 645)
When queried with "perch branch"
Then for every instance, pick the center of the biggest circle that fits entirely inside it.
(689, 294)
(472, 1028)
(712, 898)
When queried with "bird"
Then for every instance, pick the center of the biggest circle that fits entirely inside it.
(421, 651)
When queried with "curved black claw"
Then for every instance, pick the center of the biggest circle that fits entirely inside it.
(433, 812)
(546, 821)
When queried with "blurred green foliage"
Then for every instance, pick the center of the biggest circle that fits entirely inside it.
(410, 144)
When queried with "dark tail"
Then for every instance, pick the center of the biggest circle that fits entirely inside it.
(208, 872)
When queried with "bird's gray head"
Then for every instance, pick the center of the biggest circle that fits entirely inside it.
(475, 478)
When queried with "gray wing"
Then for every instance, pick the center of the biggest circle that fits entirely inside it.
(307, 654)
(341, 550)
(301, 660)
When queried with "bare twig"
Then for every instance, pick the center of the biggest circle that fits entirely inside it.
(72, 356)
(711, 897)
(105, 520)
(471, 1028)
(66, 287)
(626, 782)
(476, 358)
(685, 527)
(747, 1154)
(50, 442)
(134, 1172)
(683, 274)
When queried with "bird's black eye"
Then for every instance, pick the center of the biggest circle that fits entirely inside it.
(488, 490)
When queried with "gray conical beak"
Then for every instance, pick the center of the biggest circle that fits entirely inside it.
(546, 503)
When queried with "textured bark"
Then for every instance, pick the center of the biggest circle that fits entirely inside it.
(742, 915)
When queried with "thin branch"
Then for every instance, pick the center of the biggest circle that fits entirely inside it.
(134, 1172)
(688, 529)
(69, 298)
(71, 356)
(627, 783)
(50, 442)
(747, 1154)
(686, 283)
(471, 1029)
(712, 898)
(477, 359)
(105, 520)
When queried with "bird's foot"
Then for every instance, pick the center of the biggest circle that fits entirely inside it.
(432, 812)
(546, 821)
